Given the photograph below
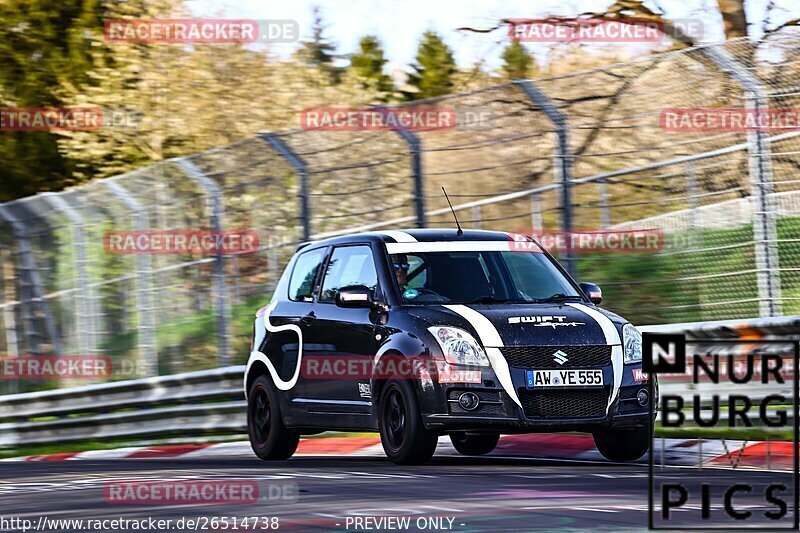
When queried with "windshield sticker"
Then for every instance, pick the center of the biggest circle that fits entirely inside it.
(552, 321)
(410, 294)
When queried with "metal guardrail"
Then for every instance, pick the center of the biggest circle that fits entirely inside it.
(782, 327)
(211, 401)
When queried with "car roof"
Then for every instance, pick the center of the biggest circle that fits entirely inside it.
(411, 235)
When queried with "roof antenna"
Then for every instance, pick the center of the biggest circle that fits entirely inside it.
(460, 232)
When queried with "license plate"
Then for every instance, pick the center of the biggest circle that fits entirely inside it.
(564, 378)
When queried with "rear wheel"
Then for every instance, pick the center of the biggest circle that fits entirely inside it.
(269, 438)
(403, 435)
(623, 445)
(474, 444)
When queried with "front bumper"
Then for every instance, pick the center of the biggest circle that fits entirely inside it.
(550, 410)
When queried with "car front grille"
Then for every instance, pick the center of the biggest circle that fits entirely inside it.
(543, 357)
(565, 403)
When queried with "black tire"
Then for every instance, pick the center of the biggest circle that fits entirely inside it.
(474, 444)
(269, 438)
(403, 435)
(622, 445)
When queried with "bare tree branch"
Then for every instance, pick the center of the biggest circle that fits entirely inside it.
(632, 12)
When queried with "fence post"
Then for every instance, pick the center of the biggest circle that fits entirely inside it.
(760, 169)
(693, 241)
(216, 212)
(691, 189)
(145, 325)
(301, 167)
(605, 213)
(272, 264)
(9, 315)
(85, 300)
(537, 222)
(563, 158)
(477, 217)
(415, 152)
(31, 289)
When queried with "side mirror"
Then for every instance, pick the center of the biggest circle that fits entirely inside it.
(592, 292)
(354, 297)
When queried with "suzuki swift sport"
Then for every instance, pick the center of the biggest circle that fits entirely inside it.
(422, 333)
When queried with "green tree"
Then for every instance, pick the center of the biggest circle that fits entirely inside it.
(44, 54)
(319, 51)
(368, 65)
(434, 69)
(517, 62)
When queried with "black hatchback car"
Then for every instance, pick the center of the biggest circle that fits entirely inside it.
(422, 333)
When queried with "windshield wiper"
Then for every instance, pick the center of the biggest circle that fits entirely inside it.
(487, 299)
(560, 297)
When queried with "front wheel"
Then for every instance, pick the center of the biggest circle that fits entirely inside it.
(403, 435)
(474, 444)
(623, 445)
(269, 438)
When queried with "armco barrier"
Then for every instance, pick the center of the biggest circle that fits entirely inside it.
(783, 327)
(192, 403)
(212, 401)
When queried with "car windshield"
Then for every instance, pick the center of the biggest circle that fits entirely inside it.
(480, 277)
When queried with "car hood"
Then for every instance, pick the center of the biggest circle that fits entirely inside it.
(557, 324)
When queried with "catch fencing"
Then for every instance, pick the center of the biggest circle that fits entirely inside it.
(580, 152)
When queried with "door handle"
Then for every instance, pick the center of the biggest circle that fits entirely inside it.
(308, 319)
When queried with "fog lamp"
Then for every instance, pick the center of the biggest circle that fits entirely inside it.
(642, 397)
(468, 401)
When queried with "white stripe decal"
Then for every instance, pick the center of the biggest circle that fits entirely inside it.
(612, 337)
(399, 236)
(492, 342)
(259, 356)
(457, 246)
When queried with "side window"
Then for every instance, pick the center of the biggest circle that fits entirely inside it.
(349, 265)
(301, 286)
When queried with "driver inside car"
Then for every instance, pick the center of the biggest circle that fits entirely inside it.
(420, 292)
(401, 266)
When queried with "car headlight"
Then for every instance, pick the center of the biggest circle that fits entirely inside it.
(632, 343)
(459, 347)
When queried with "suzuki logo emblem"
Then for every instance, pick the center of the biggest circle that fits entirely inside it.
(560, 357)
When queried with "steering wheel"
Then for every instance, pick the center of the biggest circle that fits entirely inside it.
(429, 295)
(423, 290)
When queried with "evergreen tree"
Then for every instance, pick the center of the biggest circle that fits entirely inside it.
(517, 62)
(368, 65)
(434, 68)
(319, 51)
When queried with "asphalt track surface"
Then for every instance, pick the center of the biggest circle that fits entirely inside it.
(478, 494)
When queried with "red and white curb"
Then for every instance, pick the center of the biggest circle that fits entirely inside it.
(774, 455)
